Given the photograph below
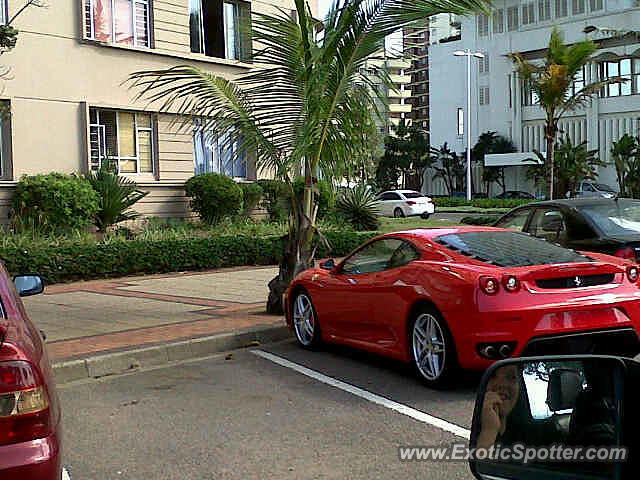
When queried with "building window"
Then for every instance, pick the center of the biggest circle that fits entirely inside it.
(625, 68)
(218, 155)
(484, 95)
(596, 5)
(220, 29)
(118, 21)
(578, 7)
(578, 82)
(512, 18)
(510, 91)
(460, 121)
(562, 9)
(6, 167)
(544, 10)
(529, 96)
(483, 25)
(528, 11)
(498, 21)
(483, 63)
(125, 139)
(3, 12)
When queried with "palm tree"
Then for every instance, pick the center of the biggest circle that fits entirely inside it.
(575, 163)
(552, 83)
(487, 143)
(625, 153)
(298, 109)
(449, 167)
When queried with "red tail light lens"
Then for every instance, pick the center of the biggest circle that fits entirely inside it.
(627, 253)
(510, 283)
(24, 404)
(489, 285)
(632, 273)
(411, 202)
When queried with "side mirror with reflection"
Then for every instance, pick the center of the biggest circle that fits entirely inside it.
(329, 264)
(28, 285)
(559, 418)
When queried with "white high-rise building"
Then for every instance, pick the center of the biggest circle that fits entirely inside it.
(500, 103)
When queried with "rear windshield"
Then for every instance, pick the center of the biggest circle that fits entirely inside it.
(615, 218)
(604, 188)
(412, 195)
(509, 249)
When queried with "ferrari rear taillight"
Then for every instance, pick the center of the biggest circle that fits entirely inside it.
(632, 273)
(510, 283)
(489, 285)
(24, 404)
(627, 253)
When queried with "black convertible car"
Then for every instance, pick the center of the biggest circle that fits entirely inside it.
(603, 225)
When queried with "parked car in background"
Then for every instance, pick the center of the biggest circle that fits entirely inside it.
(603, 225)
(515, 194)
(591, 189)
(30, 427)
(443, 298)
(405, 203)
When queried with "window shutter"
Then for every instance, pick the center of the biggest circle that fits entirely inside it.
(244, 35)
(141, 11)
(498, 21)
(88, 19)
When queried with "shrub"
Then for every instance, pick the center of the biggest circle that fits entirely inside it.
(214, 196)
(359, 208)
(251, 196)
(54, 202)
(481, 202)
(117, 257)
(116, 196)
(484, 220)
(324, 197)
(275, 199)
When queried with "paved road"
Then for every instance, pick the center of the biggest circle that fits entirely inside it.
(456, 217)
(247, 417)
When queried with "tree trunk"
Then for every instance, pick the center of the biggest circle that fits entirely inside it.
(549, 162)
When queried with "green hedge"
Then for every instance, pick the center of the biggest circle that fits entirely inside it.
(122, 258)
(481, 202)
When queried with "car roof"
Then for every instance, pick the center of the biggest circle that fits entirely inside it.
(402, 191)
(575, 202)
(431, 233)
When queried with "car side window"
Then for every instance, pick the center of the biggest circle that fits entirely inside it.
(549, 225)
(586, 187)
(516, 220)
(373, 258)
(390, 196)
(404, 254)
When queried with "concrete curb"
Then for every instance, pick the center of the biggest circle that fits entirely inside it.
(113, 363)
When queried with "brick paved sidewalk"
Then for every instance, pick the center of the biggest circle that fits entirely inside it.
(85, 318)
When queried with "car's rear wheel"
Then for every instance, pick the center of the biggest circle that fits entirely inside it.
(305, 321)
(432, 349)
(425, 216)
(398, 213)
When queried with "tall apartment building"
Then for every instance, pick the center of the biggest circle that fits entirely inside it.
(69, 108)
(501, 103)
(398, 106)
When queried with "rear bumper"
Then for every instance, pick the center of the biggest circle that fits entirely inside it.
(35, 460)
(602, 329)
(421, 209)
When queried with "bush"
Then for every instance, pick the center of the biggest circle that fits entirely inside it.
(484, 220)
(54, 202)
(251, 196)
(359, 208)
(120, 257)
(116, 196)
(481, 202)
(275, 199)
(214, 196)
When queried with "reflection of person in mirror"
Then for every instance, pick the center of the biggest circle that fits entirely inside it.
(503, 392)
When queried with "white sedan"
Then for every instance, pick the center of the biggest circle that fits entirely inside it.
(405, 203)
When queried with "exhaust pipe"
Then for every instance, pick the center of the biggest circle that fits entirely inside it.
(489, 351)
(505, 351)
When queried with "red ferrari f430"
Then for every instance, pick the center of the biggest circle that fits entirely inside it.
(449, 298)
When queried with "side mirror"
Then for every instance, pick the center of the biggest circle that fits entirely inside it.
(557, 418)
(28, 285)
(329, 264)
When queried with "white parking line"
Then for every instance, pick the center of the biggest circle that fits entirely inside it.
(65, 474)
(372, 397)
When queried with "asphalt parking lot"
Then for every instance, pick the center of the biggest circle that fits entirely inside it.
(245, 416)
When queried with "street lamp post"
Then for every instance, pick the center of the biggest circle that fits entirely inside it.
(468, 53)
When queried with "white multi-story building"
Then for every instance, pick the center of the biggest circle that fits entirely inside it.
(500, 103)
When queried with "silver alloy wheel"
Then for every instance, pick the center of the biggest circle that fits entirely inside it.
(398, 213)
(429, 350)
(303, 320)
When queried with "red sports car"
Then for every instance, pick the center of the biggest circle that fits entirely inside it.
(445, 298)
(30, 444)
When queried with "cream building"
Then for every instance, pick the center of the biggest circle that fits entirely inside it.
(69, 108)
